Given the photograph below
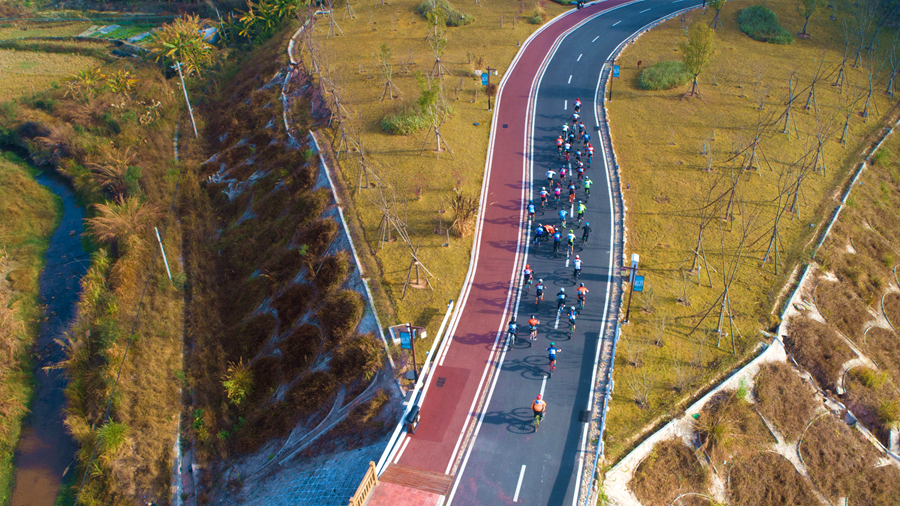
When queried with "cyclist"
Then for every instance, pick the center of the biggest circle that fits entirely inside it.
(556, 238)
(577, 156)
(581, 209)
(582, 294)
(577, 105)
(580, 171)
(586, 138)
(551, 352)
(539, 407)
(527, 274)
(544, 195)
(538, 235)
(550, 175)
(532, 327)
(570, 240)
(549, 230)
(587, 186)
(572, 314)
(560, 300)
(562, 173)
(571, 137)
(557, 191)
(559, 144)
(513, 330)
(539, 292)
(580, 127)
(575, 118)
(577, 264)
(590, 152)
(572, 189)
(565, 129)
(531, 210)
(585, 232)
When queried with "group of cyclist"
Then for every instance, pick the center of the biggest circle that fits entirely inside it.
(571, 176)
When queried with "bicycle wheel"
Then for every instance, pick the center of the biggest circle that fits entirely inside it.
(537, 422)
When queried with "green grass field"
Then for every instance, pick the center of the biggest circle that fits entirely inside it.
(30, 213)
(26, 72)
(662, 140)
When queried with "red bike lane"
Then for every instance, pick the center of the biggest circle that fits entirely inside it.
(457, 383)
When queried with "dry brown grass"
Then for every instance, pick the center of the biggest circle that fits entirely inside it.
(881, 488)
(818, 349)
(883, 346)
(837, 457)
(865, 395)
(671, 469)
(728, 427)
(768, 479)
(784, 399)
(842, 307)
(892, 308)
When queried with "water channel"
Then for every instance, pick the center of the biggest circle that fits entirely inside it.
(46, 452)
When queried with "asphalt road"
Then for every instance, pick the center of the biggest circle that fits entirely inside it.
(509, 459)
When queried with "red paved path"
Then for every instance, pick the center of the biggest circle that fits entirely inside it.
(446, 410)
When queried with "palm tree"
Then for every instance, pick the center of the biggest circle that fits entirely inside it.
(181, 41)
(84, 82)
(122, 81)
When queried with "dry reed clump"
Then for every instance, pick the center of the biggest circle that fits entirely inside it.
(880, 488)
(892, 308)
(768, 479)
(728, 426)
(300, 349)
(883, 346)
(243, 299)
(318, 236)
(271, 206)
(332, 272)
(267, 376)
(873, 399)
(359, 356)
(784, 399)
(285, 266)
(842, 307)
(340, 314)
(671, 469)
(818, 349)
(306, 207)
(837, 457)
(293, 303)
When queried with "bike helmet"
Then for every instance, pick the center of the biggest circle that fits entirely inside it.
(562, 290)
(539, 397)
(586, 224)
(543, 188)
(570, 231)
(552, 344)
(582, 285)
(576, 256)
(572, 307)
(512, 319)
(540, 281)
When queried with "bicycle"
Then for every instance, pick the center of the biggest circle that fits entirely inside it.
(575, 273)
(551, 368)
(527, 286)
(571, 326)
(511, 339)
(580, 303)
(538, 298)
(533, 335)
(555, 249)
(571, 251)
(537, 420)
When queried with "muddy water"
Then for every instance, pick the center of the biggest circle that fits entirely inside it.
(46, 452)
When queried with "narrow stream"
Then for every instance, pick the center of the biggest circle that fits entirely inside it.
(46, 451)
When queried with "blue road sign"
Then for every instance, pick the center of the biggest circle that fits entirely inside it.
(638, 284)
(405, 341)
(484, 78)
(615, 71)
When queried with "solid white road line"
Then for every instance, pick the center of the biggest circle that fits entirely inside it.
(556, 325)
(402, 449)
(519, 485)
(566, 105)
(543, 385)
(617, 22)
(595, 38)
(643, 11)
(570, 79)
(676, 1)
(579, 57)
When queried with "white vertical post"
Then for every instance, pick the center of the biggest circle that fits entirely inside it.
(161, 248)
(186, 99)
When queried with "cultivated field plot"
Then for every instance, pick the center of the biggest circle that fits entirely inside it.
(772, 444)
(25, 29)
(729, 190)
(423, 183)
(24, 72)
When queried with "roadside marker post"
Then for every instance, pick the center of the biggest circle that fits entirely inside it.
(635, 259)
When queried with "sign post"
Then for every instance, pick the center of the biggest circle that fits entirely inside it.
(615, 74)
(486, 81)
(635, 258)
(412, 346)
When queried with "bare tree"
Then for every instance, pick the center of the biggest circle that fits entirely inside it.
(659, 328)
(383, 59)
(640, 384)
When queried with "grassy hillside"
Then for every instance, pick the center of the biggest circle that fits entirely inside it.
(681, 157)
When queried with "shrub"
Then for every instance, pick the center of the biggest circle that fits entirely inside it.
(300, 349)
(341, 314)
(407, 120)
(249, 337)
(761, 24)
(361, 356)
(454, 17)
(333, 272)
(664, 75)
(293, 303)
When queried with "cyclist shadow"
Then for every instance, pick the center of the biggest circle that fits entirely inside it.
(518, 421)
(532, 367)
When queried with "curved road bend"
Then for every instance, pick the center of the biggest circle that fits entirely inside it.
(454, 388)
(508, 460)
